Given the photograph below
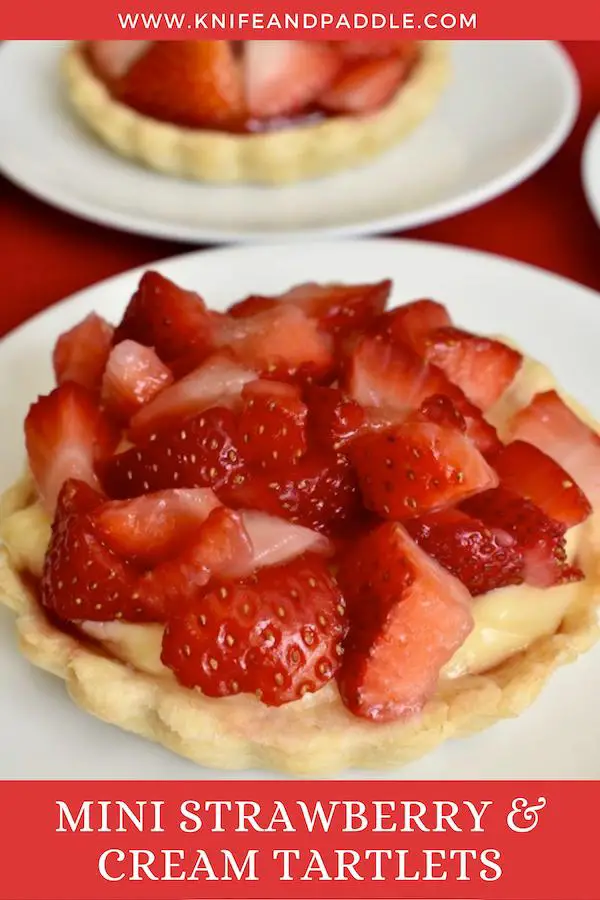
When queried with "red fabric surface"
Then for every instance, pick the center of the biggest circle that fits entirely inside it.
(45, 255)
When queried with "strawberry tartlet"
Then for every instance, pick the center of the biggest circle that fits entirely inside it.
(303, 534)
(268, 112)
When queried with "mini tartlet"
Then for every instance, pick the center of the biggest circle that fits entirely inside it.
(293, 110)
(305, 534)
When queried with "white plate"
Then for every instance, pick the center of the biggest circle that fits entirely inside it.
(591, 169)
(44, 735)
(509, 108)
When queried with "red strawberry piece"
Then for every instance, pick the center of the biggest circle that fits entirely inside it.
(154, 526)
(484, 436)
(284, 77)
(482, 367)
(333, 419)
(319, 492)
(200, 452)
(252, 306)
(112, 59)
(481, 558)
(365, 86)
(417, 467)
(408, 617)
(66, 434)
(441, 410)
(272, 423)
(550, 425)
(412, 322)
(83, 578)
(134, 375)
(533, 474)
(173, 321)
(217, 382)
(192, 83)
(541, 539)
(81, 354)
(279, 342)
(408, 50)
(276, 634)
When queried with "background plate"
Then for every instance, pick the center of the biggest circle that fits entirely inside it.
(591, 169)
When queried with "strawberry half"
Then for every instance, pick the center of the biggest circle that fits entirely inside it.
(550, 425)
(134, 375)
(200, 452)
(81, 354)
(540, 538)
(272, 423)
(277, 634)
(408, 617)
(481, 558)
(365, 86)
(530, 472)
(482, 367)
(417, 467)
(66, 435)
(83, 579)
(173, 321)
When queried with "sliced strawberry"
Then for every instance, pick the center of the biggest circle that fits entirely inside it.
(272, 423)
(277, 634)
(275, 541)
(440, 409)
(81, 354)
(417, 467)
(173, 321)
(333, 419)
(66, 434)
(201, 452)
(152, 527)
(482, 367)
(252, 306)
(550, 425)
(319, 492)
(280, 342)
(408, 617)
(365, 86)
(217, 382)
(113, 59)
(541, 539)
(412, 322)
(284, 77)
(481, 558)
(530, 472)
(133, 377)
(84, 579)
(191, 83)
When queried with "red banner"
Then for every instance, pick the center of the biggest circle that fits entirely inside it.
(185, 19)
(326, 840)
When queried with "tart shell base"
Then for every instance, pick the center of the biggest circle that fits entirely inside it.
(278, 157)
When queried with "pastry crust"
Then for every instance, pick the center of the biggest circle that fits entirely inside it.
(278, 157)
(315, 735)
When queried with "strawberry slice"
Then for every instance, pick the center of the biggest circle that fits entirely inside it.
(272, 423)
(252, 306)
(191, 83)
(482, 367)
(319, 492)
(133, 377)
(66, 434)
(408, 617)
(550, 425)
(277, 634)
(201, 452)
(481, 558)
(417, 467)
(541, 539)
(81, 354)
(284, 77)
(412, 322)
(334, 419)
(282, 342)
(217, 382)
(530, 472)
(174, 322)
(83, 579)
(365, 86)
(440, 409)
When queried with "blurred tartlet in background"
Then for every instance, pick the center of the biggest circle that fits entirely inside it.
(269, 112)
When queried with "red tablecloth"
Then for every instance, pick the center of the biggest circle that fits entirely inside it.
(45, 255)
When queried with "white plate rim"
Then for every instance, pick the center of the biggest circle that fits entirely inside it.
(435, 212)
(591, 150)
